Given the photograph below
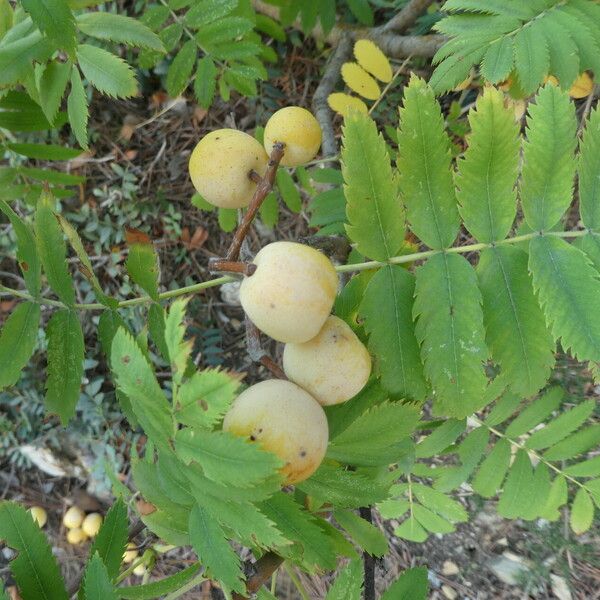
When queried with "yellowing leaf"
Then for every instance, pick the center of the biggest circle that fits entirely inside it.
(373, 60)
(463, 85)
(344, 104)
(582, 86)
(551, 79)
(358, 80)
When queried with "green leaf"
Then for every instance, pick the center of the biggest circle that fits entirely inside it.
(226, 458)
(52, 250)
(17, 341)
(561, 426)
(450, 330)
(17, 55)
(52, 85)
(575, 445)
(108, 73)
(424, 167)
(171, 35)
(6, 17)
(35, 569)
(20, 113)
(178, 350)
(342, 488)
(111, 540)
(369, 537)
(493, 469)
(77, 108)
(288, 190)
(134, 377)
(411, 585)
(376, 436)
(204, 12)
(375, 213)
(55, 19)
(548, 158)
(439, 503)
(586, 468)
(557, 497)
(498, 61)
(442, 437)
(205, 81)
(51, 176)
(532, 58)
(119, 29)
(411, 530)
(564, 56)
(516, 331)
(96, 582)
(361, 10)
(85, 267)
(180, 71)
(223, 30)
(488, 173)
(27, 256)
(169, 584)
(204, 399)
(142, 265)
(537, 412)
(213, 550)
(300, 526)
(582, 512)
(348, 584)
(65, 363)
(45, 151)
(569, 292)
(589, 166)
(386, 309)
(516, 497)
(431, 521)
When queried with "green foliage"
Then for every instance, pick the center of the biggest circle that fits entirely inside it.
(96, 582)
(525, 40)
(348, 584)
(411, 585)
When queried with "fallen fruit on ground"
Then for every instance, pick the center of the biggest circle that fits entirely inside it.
(333, 366)
(73, 518)
(298, 129)
(76, 536)
(39, 515)
(291, 293)
(285, 420)
(91, 524)
(130, 554)
(220, 164)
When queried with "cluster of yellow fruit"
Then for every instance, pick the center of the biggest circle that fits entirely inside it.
(81, 527)
(289, 297)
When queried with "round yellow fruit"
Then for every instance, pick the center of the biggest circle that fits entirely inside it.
(291, 292)
(73, 518)
(39, 515)
(285, 420)
(130, 554)
(140, 570)
(220, 166)
(91, 524)
(76, 536)
(332, 367)
(298, 129)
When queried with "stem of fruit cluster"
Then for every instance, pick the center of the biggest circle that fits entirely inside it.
(263, 188)
(257, 353)
(222, 265)
(262, 571)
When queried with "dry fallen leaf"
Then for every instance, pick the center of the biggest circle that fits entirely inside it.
(359, 81)
(373, 60)
(344, 104)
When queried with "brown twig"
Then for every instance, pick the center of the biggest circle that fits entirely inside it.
(264, 186)
(261, 571)
(222, 265)
(407, 16)
(257, 353)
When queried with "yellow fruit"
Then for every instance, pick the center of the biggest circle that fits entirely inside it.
(359, 81)
(73, 518)
(91, 524)
(344, 104)
(373, 60)
(332, 367)
(140, 570)
(39, 515)
(582, 86)
(76, 536)
(285, 420)
(220, 164)
(291, 293)
(130, 554)
(298, 129)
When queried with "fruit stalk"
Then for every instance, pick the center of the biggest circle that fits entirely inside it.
(257, 353)
(262, 191)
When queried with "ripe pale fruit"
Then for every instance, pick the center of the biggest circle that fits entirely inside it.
(298, 129)
(291, 292)
(220, 164)
(286, 421)
(73, 518)
(140, 570)
(130, 554)
(332, 367)
(39, 515)
(91, 524)
(76, 536)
